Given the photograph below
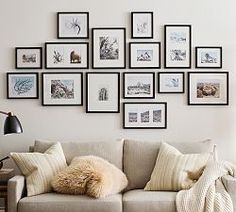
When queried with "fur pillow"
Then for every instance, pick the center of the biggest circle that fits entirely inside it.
(90, 175)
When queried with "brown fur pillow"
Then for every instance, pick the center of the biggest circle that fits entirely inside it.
(90, 175)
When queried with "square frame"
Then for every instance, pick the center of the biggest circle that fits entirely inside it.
(25, 57)
(25, 85)
(59, 81)
(172, 85)
(107, 56)
(144, 55)
(208, 88)
(177, 51)
(72, 23)
(135, 110)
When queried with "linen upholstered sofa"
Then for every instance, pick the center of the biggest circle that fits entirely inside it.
(136, 159)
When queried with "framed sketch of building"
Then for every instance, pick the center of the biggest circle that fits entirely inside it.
(102, 92)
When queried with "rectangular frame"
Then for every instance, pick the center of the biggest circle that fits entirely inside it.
(208, 88)
(139, 85)
(139, 112)
(104, 54)
(178, 48)
(24, 85)
(77, 55)
(144, 55)
(104, 94)
(66, 87)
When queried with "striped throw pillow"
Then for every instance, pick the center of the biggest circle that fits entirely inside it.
(175, 171)
(39, 168)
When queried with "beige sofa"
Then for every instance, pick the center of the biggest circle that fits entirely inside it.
(135, 158)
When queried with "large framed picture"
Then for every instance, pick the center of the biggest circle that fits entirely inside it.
(145, 115)
(142, 25)
(62, 89)
(72, 25)
(108, 50)
(208, 88)
(28, 57)
(139, 85)
(146, 55)
(103, 92)
(74, 55)
(170, 82)
(208, 57)
(22, 85)
(177, 46)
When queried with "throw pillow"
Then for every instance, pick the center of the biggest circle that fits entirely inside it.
(175, 171)
(39, 168)
(90, 175)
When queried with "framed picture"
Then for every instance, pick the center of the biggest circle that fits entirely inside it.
(141, 24)
(145, 115)
(208, 88)
(108, 49)
(171, 82)
(208, 57)
(72, 25)
(22, 85)
(103, 92)
(62, 89)
(139, 85)
(66, 55)
(177, 46)
(145, 55)
(28, 57)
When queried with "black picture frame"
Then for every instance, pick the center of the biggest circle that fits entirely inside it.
(210, 64)
(160, 115)
(74, 23)
(175, 89)
(142, 96)
(22, 85)
(150, 36)
(171, 53)
(218, 88)
(97, 83)
(36, 52)
(97, 62)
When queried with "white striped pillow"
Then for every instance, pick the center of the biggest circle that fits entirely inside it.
(175, 171)
(39, 168)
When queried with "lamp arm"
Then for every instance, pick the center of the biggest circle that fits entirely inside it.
(5, 113)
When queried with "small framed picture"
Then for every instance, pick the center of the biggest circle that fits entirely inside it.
(139, 85)
(108, 49)
(171, 82)
(142, 24)
(145, 115)
(177, 46)
(208, 57)
(72, 25)
(22, 85)
(208, 88)
(146, 55)
(103, 92)
(28, 57)
(62, 89)
(66, 55)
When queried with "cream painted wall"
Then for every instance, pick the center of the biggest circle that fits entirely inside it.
(31, 23)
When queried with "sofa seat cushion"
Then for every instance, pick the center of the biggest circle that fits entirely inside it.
(147, 201)
(50, 202)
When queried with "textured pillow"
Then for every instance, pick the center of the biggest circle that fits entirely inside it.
(39, 168)
(175, 171)
(90, 175)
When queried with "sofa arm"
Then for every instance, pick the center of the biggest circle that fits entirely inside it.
(16, 190)
(230, 185)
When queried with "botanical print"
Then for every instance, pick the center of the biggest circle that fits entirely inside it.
(171, 82)
(58, 55)
(29, 58)
(22, 86)
(103, 94)
(156, 116)
(178, 37)
(177, 55)
(133, 117)
(141, 24)
(145, 55)
(208, 89)
(62, 89)
(209, 57)
(109, 48)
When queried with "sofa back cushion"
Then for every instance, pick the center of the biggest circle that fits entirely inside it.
(140, 158)
(111, 151)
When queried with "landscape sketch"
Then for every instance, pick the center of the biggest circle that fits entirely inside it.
(109, 48)
(171, 82)
(29, 58)
(177, 55)
(141, 24)
(178, 37)
(144, 55)
(22, 85)
(208, 90)
(62, 89)
(139, 88)
(209, 57)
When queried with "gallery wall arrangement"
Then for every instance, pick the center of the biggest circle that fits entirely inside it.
(108, 51)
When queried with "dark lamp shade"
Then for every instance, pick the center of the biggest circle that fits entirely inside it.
(12, 125)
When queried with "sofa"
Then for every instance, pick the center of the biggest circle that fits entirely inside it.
(135, 158)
